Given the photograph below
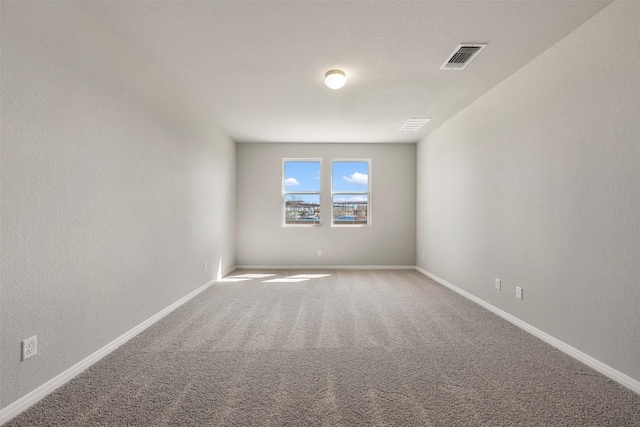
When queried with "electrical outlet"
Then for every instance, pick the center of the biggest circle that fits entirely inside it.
(422, 255)
(29, 347)
(498, 284)
(518, 292)
(319, 252)
(204, 266)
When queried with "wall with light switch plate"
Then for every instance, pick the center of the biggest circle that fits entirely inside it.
(538, 183)
(115, 192)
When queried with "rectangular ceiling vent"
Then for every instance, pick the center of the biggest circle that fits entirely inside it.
(462, 55)
(413, 125)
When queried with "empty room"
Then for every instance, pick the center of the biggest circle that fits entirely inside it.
(305, 213)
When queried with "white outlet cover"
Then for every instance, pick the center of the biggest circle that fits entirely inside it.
(498, 284)
(29, 347)
(518, 292)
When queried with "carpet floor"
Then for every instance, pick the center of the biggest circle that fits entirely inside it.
(340, 348)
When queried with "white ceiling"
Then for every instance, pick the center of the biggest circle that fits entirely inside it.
(258, 66)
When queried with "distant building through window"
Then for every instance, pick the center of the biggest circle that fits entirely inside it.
(301, 186)
(350, 192)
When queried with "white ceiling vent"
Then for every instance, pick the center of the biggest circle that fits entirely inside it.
(413, 125)
(462, 55)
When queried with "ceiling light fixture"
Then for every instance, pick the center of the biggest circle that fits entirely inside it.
(335, 79)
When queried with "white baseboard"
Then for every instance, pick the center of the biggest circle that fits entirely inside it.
(606, 370)
(325, 267)
(20, 405)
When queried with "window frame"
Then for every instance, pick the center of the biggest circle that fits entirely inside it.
(283, 203)
(354, 193)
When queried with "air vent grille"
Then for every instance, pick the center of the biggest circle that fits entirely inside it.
(413, 125)
(462, 55)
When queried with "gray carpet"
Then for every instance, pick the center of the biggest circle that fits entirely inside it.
(355, 348)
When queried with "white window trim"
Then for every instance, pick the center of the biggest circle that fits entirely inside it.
(285, 193)
(367, 193)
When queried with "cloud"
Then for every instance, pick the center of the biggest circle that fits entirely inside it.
(291, 181)
(357, 178)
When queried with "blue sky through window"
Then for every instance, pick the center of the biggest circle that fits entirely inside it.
(302, 176)
(350, 176)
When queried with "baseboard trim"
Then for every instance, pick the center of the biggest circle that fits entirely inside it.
(22, 404)
(325, 267)
(606, 370)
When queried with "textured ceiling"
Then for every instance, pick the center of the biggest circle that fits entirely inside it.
(258, 66)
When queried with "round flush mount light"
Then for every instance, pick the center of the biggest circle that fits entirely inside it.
(335, 79)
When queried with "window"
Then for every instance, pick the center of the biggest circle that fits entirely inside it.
(350, 192)
(301, 183)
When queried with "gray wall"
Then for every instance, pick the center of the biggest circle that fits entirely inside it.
(115, 191)
(261, 239)
(538, 183)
